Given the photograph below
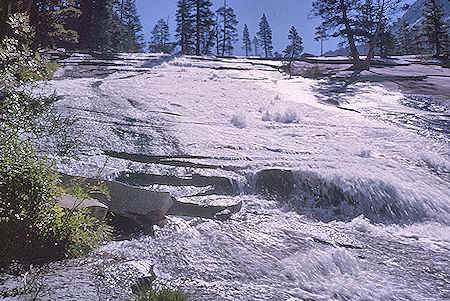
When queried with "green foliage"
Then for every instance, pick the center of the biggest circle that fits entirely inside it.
(84, 188)
(19, 65)
(52, 66)
(161, 293)
(295, 48)
(195, 26)
(32, 226)
(160, 38)
(228, 31)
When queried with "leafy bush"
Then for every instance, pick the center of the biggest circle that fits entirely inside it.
(161, 293)
(32, 226)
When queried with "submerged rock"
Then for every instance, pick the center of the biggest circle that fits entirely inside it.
(275, 182)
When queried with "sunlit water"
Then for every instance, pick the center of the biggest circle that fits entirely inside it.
(360, 209)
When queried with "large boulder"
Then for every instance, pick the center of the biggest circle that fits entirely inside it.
(211, 206)
(96, 208)
(145, 207)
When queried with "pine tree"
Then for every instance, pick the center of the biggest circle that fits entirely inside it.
(404, 39)
(132, 39)
(228, 29)
(386, 42)
(99, 26)
(185, 26)
(217, 35)
(160, 38)
(419, 45)
(435, 29)
(246, 40)
(277, 55)
(366, 21)
(203, 22)
(294, 49)
(342, 18)
(265, 36)
(256, 45)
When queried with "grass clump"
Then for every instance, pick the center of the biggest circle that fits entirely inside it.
(161, 293)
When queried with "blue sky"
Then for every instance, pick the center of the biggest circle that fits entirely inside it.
(282, 14)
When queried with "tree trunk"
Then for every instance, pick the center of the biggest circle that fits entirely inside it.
(373, 42)
(224, 28)
(357, 64)
(8, 9)
(198, 28)
(436, 32)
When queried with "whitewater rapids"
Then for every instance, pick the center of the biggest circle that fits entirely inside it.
(362, 211)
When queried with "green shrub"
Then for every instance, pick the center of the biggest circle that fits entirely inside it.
(161, 293)
(52, 66)
(33, 227)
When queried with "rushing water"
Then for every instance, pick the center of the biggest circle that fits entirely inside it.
(337, 204)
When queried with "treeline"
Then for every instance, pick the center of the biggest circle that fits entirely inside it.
(429, 37)
(370, 22)
(200, 31)
(93, 25)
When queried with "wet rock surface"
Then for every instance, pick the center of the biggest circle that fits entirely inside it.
(340, 204)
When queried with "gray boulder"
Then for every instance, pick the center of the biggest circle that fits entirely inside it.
(145, 206)
(96, 208)
(141, 205)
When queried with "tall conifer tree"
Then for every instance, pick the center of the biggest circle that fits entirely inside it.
(295, 48)
(160, 38)
(255, 42)
(203, 22)
(185, 26)
(132, 39)
(228, 29)
(265, 36)
(435, 28)
(246, 40)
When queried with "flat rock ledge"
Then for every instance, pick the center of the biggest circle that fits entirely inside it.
(210, 206)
